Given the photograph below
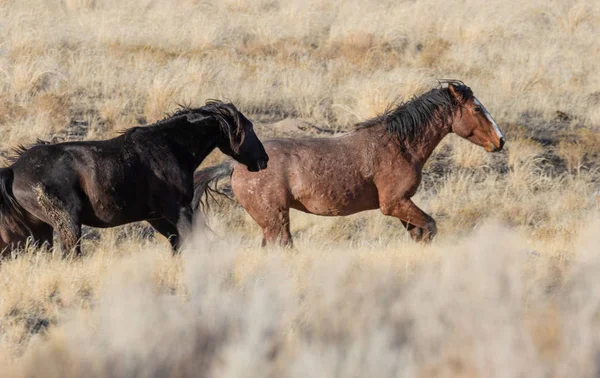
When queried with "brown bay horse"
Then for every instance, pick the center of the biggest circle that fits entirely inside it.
(146, 173)
(379, 165)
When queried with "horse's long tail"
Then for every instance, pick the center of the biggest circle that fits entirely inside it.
(203, 180)
(11, 212)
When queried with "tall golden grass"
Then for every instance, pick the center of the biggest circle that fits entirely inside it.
(509, 288)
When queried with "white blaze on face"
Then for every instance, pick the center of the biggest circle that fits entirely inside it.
(489, 117)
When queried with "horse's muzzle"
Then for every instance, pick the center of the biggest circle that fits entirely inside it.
(259, 165)
(502, 142)
(262, 164)
(490, 147)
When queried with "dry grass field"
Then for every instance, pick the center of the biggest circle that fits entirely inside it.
(510, 288)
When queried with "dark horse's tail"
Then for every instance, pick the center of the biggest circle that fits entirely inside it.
(11, 213)
(207, 176)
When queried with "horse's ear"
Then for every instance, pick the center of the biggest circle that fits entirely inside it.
(195, 117)
(455, 93)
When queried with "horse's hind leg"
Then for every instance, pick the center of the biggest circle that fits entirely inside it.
(168, 230)
(277, 226)
(270, 210)
(286, 235)
(68, 228)
(64, 216)
(39, 235)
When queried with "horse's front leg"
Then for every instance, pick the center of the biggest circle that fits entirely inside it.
(168, 230)
(184, 223)
(417, 233)
(420, 225)
(176, 225)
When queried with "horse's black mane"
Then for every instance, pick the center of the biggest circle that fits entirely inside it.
(411, 120)
(226, 114)
(215, 108)
(21, 149)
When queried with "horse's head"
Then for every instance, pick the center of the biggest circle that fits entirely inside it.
(473, 122)
(239, 140)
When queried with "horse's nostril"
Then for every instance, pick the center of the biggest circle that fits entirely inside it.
(502, 141)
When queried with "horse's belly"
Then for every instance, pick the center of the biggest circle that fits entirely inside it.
(337, 203)
(328, 210)
(111, 212)
(106, 222)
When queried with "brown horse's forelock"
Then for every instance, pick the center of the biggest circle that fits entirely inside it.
(411, 121)
(226, 114)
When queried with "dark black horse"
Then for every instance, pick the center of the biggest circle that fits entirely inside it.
(144, 174)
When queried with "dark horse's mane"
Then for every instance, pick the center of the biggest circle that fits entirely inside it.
(411, 120)
(226, 114)
(223, 112)
(21, 149)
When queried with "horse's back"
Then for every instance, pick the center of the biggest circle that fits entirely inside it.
(63, 166)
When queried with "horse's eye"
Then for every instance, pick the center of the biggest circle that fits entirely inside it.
(477, 109)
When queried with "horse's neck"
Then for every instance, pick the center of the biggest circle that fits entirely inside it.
(194, 142)
(422, 149)
(417, 151)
